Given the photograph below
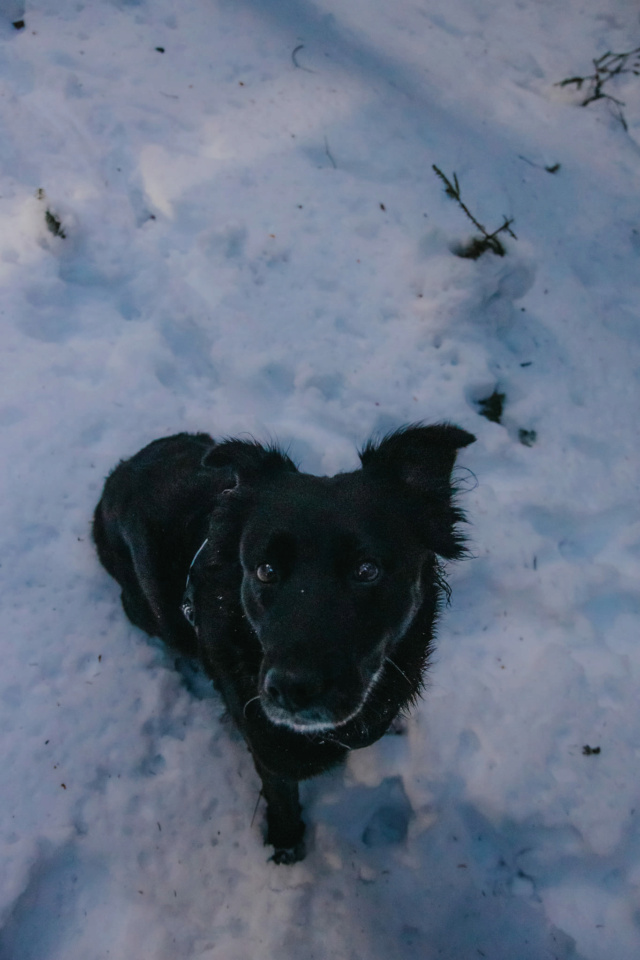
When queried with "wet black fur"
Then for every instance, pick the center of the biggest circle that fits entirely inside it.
(317, 649)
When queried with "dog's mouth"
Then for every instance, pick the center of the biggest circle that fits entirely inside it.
(320, 715)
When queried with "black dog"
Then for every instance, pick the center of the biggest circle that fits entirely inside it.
(310, 601)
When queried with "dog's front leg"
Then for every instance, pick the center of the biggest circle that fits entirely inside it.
(285, 828)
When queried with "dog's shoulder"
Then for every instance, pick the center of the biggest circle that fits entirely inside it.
(165, 477)
(181, 451)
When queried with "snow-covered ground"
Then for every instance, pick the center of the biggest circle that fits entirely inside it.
(255, 241)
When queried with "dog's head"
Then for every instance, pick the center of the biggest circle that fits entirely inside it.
(335, 570)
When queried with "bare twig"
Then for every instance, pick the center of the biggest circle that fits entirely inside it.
(606, 68)
(489, 241)
(328, 153)
(551, 168)
(295, 60)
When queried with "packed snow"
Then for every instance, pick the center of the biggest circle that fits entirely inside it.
(222, 215)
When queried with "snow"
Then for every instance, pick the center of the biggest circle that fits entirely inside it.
(258, 247)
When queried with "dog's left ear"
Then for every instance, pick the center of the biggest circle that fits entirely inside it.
(421, 456)
(422, 459)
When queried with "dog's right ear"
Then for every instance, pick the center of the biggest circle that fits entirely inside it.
(247, 460)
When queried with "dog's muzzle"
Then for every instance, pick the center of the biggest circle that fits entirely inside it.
(300, 700)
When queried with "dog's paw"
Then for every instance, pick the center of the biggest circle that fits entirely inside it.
(289, 855)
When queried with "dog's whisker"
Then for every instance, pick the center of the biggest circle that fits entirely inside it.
(244, 712)
(338, 742)
(255, 809)
(389, 660)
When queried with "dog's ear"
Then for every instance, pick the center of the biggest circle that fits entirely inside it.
(421, 456)
(422, 459)
(247, 460)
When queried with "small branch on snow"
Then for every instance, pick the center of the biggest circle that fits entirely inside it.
(295, 60)
(606, 68)
(488, 241)
(328, 153)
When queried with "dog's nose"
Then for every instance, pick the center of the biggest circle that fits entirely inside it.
(292, 689)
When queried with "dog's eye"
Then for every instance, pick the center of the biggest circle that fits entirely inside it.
(266, 574)
(366, 572)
